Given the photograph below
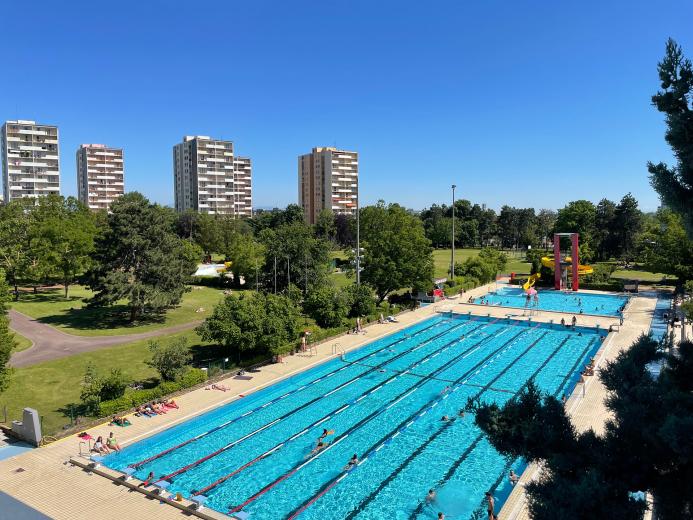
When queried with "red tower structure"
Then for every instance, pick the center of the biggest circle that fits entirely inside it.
(574, 260)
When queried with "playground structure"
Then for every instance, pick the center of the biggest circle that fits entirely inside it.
(531, 281)
(560, 264)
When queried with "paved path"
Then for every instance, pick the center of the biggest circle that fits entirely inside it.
(50, 343)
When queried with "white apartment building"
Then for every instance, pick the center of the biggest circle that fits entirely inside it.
(30, 159)
(208, 177)
(100, 175)
(328, 178)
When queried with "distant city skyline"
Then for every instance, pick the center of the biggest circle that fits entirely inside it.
(526, 106)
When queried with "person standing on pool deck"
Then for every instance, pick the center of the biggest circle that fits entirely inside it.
(574, 320)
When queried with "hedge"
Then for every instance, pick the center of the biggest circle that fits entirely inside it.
(192, 377)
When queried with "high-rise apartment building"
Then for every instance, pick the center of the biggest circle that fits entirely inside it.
(30, 160)
(208, 177)
(328, 179)
(100, 175)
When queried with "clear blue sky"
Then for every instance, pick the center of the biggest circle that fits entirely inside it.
(505, 99)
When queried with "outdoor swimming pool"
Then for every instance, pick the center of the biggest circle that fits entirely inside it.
(570, 302)
(384, 403)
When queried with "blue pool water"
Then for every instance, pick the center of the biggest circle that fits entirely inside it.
(552, 300)
(384, 403)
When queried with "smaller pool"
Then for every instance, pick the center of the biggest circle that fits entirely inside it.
(552, 300)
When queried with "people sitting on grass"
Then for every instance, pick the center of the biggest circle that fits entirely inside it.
(112, 443)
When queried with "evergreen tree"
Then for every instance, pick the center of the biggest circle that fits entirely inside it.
(647, 444)
(675, 183)
(138, 258)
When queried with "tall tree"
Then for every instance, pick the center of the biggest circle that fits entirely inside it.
(15, 241)
(139, 258)
(397, 253)
(627, 226)
(586, 475)
(508, 226)
(325, 227)
(675, 100)
(546, 219)
(7, 342)
(578, 216)
(295, 255)
(665, 247)
(604, 238)
(63, 231)
(345, 230)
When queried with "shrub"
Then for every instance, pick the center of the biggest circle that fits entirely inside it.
(114, 385)
(327, 306)
(602, 273)
(192, 377)
(361, 300)
(171, 359)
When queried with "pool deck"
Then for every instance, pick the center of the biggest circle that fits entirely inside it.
(44, 480)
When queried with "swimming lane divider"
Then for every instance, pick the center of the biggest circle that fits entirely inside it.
(230, 445)
(417, 385)
(141, 463)
(326, 417)
(364, 502)
(510, 463)
(451, 471)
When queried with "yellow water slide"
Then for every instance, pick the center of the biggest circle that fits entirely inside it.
(582, 269)
(531, 281)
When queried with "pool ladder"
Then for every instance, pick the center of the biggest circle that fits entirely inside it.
(337, 349)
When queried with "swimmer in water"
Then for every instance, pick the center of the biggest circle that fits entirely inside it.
(325, 433)
(445, 418)
(352, 462)
(431, 496)
(318, 448)
(513, 478)
(461, 413)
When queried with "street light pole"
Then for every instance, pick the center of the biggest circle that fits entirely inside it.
(452, 258)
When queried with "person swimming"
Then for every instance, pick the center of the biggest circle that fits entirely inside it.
(353, 462)
(445, 418)
(431, 496)
(321, 445)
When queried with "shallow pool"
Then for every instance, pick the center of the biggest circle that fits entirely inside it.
(384, 403)
(562, 301)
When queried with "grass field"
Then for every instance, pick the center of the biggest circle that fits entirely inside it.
(643, 276)
(52, 386)
(441, 260)
(22, 342)
(72, 315)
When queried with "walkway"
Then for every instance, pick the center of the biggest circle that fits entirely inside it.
(50, 343)
(42, 480)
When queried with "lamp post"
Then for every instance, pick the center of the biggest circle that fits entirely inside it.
(452, 257)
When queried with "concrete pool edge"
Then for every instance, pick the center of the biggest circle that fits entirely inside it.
(65, 492)
(588, 411)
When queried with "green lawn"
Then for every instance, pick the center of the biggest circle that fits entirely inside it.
(22, 342)
(643, 276)
(341, 279)
(72, 315)
(50, 387)
(441, 260)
